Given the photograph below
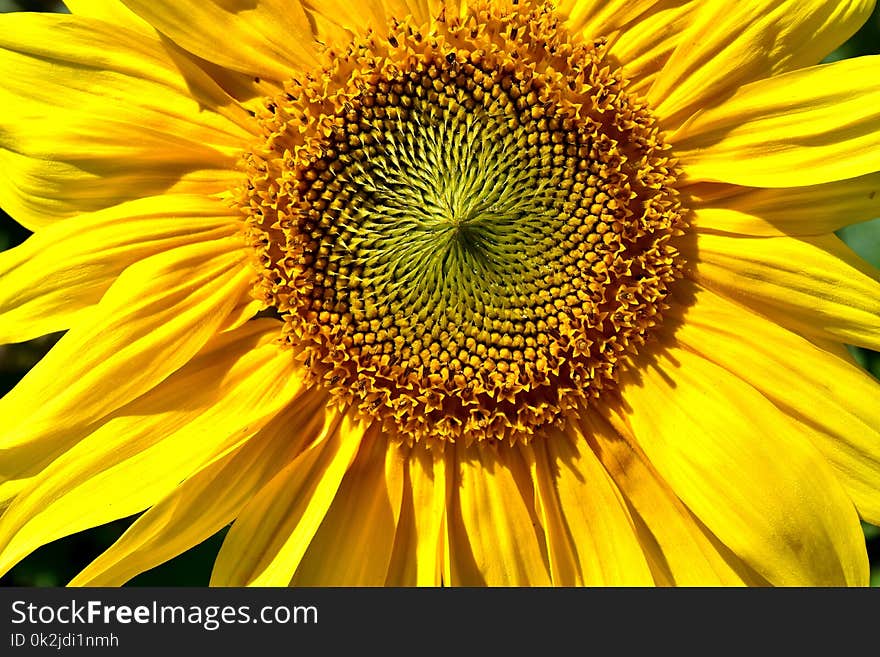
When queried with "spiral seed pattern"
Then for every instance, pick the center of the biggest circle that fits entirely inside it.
(464, 225)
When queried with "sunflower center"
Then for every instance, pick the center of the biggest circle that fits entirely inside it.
(464, 224)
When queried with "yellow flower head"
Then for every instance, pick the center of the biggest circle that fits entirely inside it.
(461, 292)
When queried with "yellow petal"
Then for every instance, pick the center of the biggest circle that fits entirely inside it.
(267, 38)
(37, 192)
(353, 545)
(810, 210)
(427, 478)
(730, 44)
(156, 316)
(494, 536)
(52, 280)
(240, 86)
(421, 10)
(209, 499)
(335, 22)
(591, 539)
(135, 458)
(417, 559)
(744, 470)
(836, 399)
(807, 127)
(836, 349)
(111, 11)
(115, 117)
(808, 284)
(268, 540)
(644, 48)
(679, 549)
(598, 18)
(357, 17)
(244, 311)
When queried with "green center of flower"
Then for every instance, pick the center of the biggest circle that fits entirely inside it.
(465, 225)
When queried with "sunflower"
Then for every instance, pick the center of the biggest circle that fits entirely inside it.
(423, 292)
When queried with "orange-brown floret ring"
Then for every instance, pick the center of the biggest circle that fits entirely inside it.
(460, 240)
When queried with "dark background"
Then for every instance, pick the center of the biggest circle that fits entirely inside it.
(55, 564)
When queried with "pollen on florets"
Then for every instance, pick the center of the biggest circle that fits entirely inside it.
(464, 225)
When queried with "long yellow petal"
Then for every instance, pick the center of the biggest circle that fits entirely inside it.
(115, 117)
(59, 274)
(427, 478)
(493, 534)
(268, 38)
(730, 44)
(418, 558)
(156, 317)
(111, 11)
(354, 543)
(812, 284)
(839, 405)
(240, 86)
(807, 127)
(744, 470)
(769, 212)
(645, 47)
(679, 549)
(601, 18)
(272, 533)
(135, 458)
(591, 538)
(209, 499)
